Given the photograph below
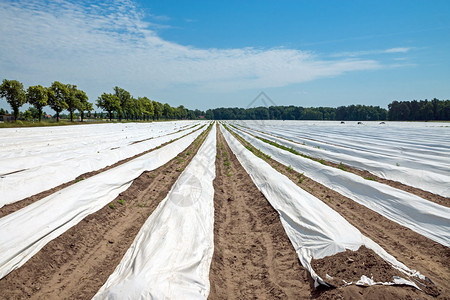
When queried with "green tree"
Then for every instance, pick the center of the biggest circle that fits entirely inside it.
(110, 103)
(182, 112)
(209, 114)
(28, 115)
(167, 111)
(135, 109)
(157, 108)
(57, 95)
(82, 103)
(14, 93)
(37, 96)
(124, 100)
(147, 106)
(71, 99)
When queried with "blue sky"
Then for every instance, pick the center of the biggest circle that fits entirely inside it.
(207, 54)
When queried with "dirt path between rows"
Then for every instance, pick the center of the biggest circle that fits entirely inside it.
(414, 250)
(10, 208)
(77, 263)
(253, 257)
(369, 176)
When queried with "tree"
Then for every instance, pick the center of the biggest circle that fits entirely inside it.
(57, 95)
(37, 96)
(209, 114)
(136, 109)
(14, 93)
(167, 111)
(83, 104)
(109, 102)
(124, 100)
(182, 112)
(71, 99)
(157, 108)
(147, 106)
(28, 115)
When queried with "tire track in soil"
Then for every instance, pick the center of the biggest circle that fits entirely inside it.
(441, 200)
(10, 208)
(78, 262)
(414, 250)
(253, 257)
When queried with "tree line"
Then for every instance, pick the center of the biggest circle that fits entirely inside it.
(343, 113)
(423, 110)
(120, 104)
(67, 97)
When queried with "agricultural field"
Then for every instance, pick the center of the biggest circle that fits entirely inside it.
(220, 210)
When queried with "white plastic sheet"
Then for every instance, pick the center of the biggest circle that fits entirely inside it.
(171, 255)
(314, 229)
(53, 169)
(24, 232)
(426, 180)
(415, 145)
(35, 141)
(424, 217)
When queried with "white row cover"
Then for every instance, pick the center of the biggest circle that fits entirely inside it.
(314, 229)
(424, 217)
(52, 171)
(423, 179)
(59, 146)
(416, 146)
(24, 232)
(171, 255)
(27, 142)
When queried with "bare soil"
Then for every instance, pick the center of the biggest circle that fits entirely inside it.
(10, 208)
(414, 250)
(77, 263)
(253, 257)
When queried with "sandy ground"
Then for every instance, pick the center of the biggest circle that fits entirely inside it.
(253, 257)
(77, 263)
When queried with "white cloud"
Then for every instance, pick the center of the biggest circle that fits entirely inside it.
(372, 52)
(101, 45)
(397, 50)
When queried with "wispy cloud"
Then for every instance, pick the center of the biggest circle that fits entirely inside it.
(161, 18)
(372, 52)
(397, 50)
(99, 45)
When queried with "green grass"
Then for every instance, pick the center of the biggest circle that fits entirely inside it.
(111, 205)
(79, 179)
(292, 150)
(370, 178)
(121, 202)
(300, 178)
(342, 167)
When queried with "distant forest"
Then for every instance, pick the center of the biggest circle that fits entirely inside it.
(423, 110)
